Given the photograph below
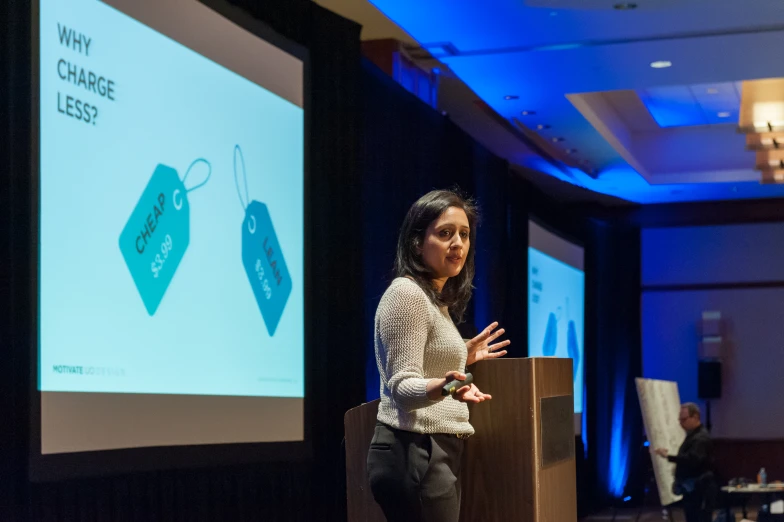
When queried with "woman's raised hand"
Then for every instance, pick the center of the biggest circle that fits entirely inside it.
(481, 347)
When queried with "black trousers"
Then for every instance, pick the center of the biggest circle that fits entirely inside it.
(698, 505)
(415, 477)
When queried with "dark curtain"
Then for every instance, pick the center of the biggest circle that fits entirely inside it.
(497, 270)
(305, 491)
(14, 255)
(614, 359)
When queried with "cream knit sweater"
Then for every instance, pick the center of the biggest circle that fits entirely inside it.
(415, 342)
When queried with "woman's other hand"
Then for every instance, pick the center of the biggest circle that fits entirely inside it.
(435, 386)
(471, 393)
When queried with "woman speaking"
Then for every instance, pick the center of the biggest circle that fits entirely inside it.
(414, 458)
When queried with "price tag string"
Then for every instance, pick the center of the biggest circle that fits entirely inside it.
(209, 173)
(238, 154)
(243, 201)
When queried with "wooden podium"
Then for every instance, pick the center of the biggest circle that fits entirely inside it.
(519, 465)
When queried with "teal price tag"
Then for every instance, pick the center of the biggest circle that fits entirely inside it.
(264, 264)
(156, 236)
(262, 256)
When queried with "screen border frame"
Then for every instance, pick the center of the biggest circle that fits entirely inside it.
(556, 231)
(539, 221)
(54, 467)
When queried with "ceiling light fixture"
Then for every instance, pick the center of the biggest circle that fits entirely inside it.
(542, 126)
(527, 113)
(661, 64)
(625, 6)
(556, 140)
(571, 151)
(712, 90)
(723, 114)
(511, 97)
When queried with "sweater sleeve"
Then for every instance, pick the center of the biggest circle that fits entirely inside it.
(404, 322)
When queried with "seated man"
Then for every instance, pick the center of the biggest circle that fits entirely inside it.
(694, 477)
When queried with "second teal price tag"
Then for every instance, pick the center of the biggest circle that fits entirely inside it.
(265, 265)
(262, 255)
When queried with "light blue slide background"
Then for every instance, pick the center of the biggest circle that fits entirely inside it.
(171, 106)
(563, 286)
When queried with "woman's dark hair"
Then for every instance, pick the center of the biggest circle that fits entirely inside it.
(408, 261)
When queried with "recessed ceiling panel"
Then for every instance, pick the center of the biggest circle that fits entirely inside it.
(689, 105)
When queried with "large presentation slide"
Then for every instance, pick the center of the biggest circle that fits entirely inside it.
(556, 302)
(171, 167)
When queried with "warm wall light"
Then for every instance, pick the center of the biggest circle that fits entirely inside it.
(764, 112)
(761, 118)
(766, 116)
(661, 64)
(770, 159)
(764, 126)
(761, 106)
(764, 140)
(772, 176)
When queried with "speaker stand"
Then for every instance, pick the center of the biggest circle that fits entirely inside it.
(708, 424)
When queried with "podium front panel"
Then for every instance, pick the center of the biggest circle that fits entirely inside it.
(506, 474)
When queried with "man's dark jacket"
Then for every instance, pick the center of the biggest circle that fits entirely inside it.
(695, 456)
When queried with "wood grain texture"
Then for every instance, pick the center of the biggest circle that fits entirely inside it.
(360, 424)
(502, 478)
(496, 486)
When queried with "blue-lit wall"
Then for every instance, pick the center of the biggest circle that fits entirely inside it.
(734, 270)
